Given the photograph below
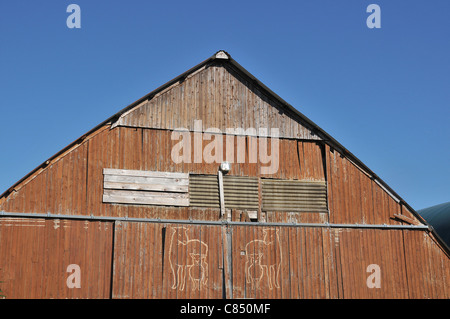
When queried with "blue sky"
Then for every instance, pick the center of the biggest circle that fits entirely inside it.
(382, 93)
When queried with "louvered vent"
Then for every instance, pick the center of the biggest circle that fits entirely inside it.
(239, 192)
(204, 191)
(294, 196)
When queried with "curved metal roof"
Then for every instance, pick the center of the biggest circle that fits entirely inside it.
(438, 217)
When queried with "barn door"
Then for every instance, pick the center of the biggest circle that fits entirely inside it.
(280, 262)
(257, 262)
(168, 261)
(185, 261)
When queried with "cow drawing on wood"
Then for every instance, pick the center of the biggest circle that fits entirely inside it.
(263, 257)
(194, 264)
(198, 269)
(254, 270)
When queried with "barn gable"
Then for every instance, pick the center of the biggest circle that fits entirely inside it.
(220, 96)
(215, 97)
(171, 222)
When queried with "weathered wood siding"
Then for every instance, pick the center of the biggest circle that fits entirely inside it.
(192, 261)
(220, 98)
(189, 260)
(35, 254)
(167, 261)
(73, 183)
(145, 187)
(355, 198)
(316, 262)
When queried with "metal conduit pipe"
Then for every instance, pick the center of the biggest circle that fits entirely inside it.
(211, 222)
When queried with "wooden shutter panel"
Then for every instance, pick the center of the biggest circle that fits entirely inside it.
(145, 187)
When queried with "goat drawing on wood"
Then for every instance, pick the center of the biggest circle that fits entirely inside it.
(259, 262)
(194, 264)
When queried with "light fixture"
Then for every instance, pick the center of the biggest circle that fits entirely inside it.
(225, 167)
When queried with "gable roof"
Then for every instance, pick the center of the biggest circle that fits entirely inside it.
(224, 57)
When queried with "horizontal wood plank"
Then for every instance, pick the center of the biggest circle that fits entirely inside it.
(147, 180)
(148, 198)
(146, 187)
(128, 172)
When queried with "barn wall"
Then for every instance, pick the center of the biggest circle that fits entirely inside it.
(157, 261)
(35, 254)
(163, 260)
(428, 268)
(73, 184)
(355, 198)
(212, 261)
(313, 262)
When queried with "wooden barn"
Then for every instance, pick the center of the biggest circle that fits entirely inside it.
(212, 186)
